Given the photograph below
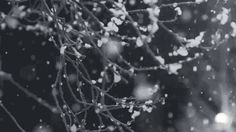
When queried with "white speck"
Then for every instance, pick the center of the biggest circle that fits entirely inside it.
(153, 13)
(222, 118)
(149, 102)
(94, 82)
(12, 22)
(223, 16)
(233, 25)
(194, 68)
(150, 1)
(208, 68)
(152, 28)
(179, 11)
(87, 46)
(100, 80)
(233, 104)
(112, 48)
(111, 26)
(132, 2)
(160, 59)
(170, 115)
(117, 78)
(111, 128)
(139, 42)
(174, 67)
(77, 54)
(166, 95)
(116, 20)
(147, 109)
(192, 128)
(196, 41)
(135, 114)
(205, 121)
(182, 51)
(144, 92)
(99, 43)
(62, 50)
(73, 128)
(200, 1)
(42, 128)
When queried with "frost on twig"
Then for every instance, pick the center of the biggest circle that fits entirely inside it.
(4, 75)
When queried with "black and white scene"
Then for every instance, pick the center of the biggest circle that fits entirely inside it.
(117, 66)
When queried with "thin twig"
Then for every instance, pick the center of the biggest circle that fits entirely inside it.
(12, 117)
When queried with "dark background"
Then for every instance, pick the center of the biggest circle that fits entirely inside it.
(21, 51)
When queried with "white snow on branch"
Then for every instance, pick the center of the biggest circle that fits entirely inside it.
(73, 128)
(135, 114)
(195, 42)
(111, 26)
(144, 91)
(160, 59)
(150, 1)
(200, 1)
(182, 51)
(62, 50)
(139, 42)
(178, 10)
(77, 54)
(174, 67)
(117, 78)
(233, 25)
(223, 17)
